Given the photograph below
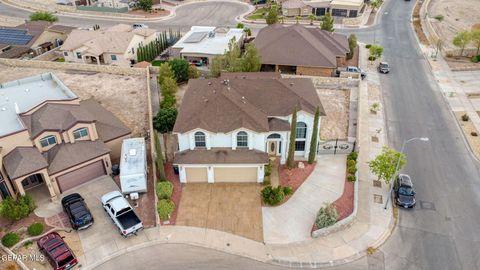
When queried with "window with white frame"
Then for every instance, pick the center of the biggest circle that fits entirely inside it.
(242, 139)
(48, 140)
(301, 137)
(200, 140)
(80, 133)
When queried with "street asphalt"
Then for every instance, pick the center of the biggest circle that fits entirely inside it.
(442, 232)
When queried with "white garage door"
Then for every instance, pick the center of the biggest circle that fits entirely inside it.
(196, 175)
(235, 174)
(81, 175)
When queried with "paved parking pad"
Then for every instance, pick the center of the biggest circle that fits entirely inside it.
(232, 208)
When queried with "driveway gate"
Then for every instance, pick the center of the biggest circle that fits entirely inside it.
(336, 146)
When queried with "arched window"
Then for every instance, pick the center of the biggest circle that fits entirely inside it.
(200, 139)
(48, 140)
(274, 136)
(80, 133)
(301, 130)
(242, 139)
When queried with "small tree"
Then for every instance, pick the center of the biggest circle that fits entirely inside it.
(145, 4)
(43, 16)
(240, 25)
(312, 18)
(384, 165)
(232, 56)
(165, 120)
(461, 40)
(272, 16)
(376, 51)
(168, 101)
(327, 22)
(193, 72)
(168, 87)
(297, 19)
(251, 59)
(476, 39)
(352, 44)
(326, 216)
(165, 71)
(293, 137)
(247, 31)
(180, 69)
(313, 142)
(216, 66)
(159, 157)
(375, 4)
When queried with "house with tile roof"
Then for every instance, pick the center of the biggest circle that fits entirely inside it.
(228, 128)
(299, 50)
(117, 45)
(52, 140)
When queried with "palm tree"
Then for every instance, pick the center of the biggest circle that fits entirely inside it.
(312, 18)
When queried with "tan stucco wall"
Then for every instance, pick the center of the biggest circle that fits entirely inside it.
(116, 147)
(43, 135)
(349, 7)
(9, 143)
(315, 71)
(48, 36)
(46, 178)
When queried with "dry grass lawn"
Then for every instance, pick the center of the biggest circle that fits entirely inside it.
(336, 104)
(125, 96)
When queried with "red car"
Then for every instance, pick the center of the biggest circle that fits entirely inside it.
(58, 254)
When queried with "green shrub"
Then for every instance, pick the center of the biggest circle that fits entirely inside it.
(17, 209)
(476, 58)
(180, 69)
(372, 58)
(35, 229)
(352, 156)
(287, 191)
(351, 178)
(368, 46)
(439, 18)
(273, 196)
(268, 169)
(465, 117)
(266, 181)
(352, 169)
(165, 209)
(157, 63)
(43, 16)
(327, 216)
(168, 101)
(350, 163)
(164, 190)
(10, 239)
(193, 72)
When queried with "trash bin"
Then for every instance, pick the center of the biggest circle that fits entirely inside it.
(175, 169)
(115, 169)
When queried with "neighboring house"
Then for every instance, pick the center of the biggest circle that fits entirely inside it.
(31, 38)
(202, 43)
(228, 127)
(300, 50)
(51, 139)
(339, 8)
(292, 8)
(117, 45)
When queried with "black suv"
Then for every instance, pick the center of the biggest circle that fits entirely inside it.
(383, 67)
(403, 191)
(77, 211)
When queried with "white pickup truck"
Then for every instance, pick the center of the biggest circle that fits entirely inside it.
(350, 69)
(121, 213)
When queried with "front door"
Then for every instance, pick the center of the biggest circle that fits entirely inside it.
(272, 148)
(32, 181)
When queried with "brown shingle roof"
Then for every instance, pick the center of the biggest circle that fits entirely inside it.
(297, 45)
(218, 106)
(64, 29)
(276, 124)
(221, 156)
(67, 155)
(250, 75)
(22, 161)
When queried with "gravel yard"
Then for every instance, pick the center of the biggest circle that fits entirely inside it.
(125, 96)
(336, 105)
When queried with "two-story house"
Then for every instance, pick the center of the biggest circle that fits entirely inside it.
(117, 45)
(51, 139)
(229, 127)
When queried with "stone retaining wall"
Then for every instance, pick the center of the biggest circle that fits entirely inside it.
(74, 66)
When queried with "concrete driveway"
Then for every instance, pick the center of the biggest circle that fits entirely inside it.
(293, 220)
(233, 208)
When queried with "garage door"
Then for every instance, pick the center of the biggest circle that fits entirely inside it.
(80, 176)
(196, 175)
(235, 174)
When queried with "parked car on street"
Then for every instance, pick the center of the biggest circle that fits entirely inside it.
(56, 251)
(351, 69)
(383, 67)
(403, 191)
(77, 211)
(139, 25)
(121, 213)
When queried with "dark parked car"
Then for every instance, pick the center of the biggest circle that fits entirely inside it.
(383, 67)
(56, 251)
(403, 191)
(77, 211)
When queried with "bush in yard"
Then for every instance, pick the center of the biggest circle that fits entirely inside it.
(476, 59)
(17, 209)
(10, 239)
(352, 156)
(327, 216)
(351, 178)
(351, 169)
(350, 163)
(164, 190)
(287, 191)
(165, 209)
(165, 71)
(273, 196)
(193, 72)
(180, 69)
(268, 169)
(43, 16)
(168, 101)
(368, 46)
(35, 229)
(465, 117)
(164, 121)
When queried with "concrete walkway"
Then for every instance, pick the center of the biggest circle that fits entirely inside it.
(293, 220)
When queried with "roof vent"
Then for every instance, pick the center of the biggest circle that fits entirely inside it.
(205, 100)
(132, 152)
(291, 84)
(209, 83)
(4, 109)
